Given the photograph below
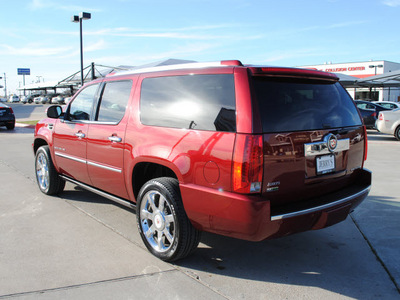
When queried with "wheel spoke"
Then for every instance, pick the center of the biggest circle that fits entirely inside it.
(161, 203)
(152, 202)
(168, 235)
(145, 214)
(150, 232)
(169, 219)
(160, 243)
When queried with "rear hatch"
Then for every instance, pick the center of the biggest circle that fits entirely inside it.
(313, 136)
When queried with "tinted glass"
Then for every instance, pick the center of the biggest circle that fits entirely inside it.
(81, 107)
(204, 102)
(114, 101)
(297, 105)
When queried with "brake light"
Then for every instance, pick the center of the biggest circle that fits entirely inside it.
(247, 164)
(365, 145)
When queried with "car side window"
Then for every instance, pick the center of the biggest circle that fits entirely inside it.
(114, 101)
(81, 107)
(202, 102)
(370, 106)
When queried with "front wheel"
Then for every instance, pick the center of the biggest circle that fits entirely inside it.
(162, 221)
(46, 175)
(397, 133)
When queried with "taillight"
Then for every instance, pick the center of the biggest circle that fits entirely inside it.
(11, 110)
(247, 164)
(365, 145)
(374, 114)
(380, 116)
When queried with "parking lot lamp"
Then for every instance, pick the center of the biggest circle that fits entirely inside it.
(78, 19)
(370, 89)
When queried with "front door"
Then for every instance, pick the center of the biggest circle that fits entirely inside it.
(70, 136)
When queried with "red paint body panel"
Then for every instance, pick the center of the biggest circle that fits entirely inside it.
(65, 142)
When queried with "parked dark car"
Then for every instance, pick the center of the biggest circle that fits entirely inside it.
(243, 151)
(369, 112)
(7, 117)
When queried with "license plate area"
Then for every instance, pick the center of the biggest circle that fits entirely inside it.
(325, 164)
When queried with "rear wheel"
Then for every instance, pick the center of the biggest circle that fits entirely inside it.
(46, 175)
(397, 133)
(162, 221)
(10, 126)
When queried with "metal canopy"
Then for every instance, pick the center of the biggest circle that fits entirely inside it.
(73, 81)
(389, 79)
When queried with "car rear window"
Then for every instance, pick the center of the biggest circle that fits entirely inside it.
(293, 104)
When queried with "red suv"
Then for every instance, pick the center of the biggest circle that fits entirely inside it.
(244, 151)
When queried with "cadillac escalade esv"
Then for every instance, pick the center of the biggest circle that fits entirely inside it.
(250, 152)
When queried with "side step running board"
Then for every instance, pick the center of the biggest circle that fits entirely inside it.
(101, 193)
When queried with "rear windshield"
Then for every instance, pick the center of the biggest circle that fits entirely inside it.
(288, 104)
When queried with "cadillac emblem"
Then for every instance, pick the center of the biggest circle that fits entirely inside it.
(331, 142)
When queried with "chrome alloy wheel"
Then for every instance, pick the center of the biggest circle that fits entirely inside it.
(42, 171)
(157, 221)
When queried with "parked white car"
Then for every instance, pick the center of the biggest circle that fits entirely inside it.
(13, 98)
(389, 122)
(43, 99)
(388, 104)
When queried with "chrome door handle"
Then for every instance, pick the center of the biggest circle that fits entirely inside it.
(80, 135)
(115, 139)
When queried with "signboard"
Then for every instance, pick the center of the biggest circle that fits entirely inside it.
(24, 71)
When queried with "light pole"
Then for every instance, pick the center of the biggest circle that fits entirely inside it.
(5, 85)
(374, 66)
(78, 19)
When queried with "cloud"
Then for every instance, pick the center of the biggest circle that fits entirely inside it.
(392, 3)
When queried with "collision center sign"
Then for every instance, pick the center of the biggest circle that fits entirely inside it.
(24, 71)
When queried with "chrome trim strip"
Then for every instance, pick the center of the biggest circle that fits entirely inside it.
(101, 193)
(317, 208)
(321, 148)
(87, 162)
(70, 157)
(104, 167)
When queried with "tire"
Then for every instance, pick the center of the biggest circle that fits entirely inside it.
(397, 133)
(46, 175)
(162, 221)
(10, 126)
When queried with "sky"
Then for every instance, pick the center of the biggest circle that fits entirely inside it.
(39, 34)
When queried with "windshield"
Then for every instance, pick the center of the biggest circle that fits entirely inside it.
(292, 104)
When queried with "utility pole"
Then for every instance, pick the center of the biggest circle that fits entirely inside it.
(5, 85)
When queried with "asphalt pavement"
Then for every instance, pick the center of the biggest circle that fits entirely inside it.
(81, 246)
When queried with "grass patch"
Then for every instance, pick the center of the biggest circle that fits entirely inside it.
(30, 122)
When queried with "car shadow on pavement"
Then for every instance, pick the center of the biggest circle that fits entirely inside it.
(329, 259)
(80, 195)
(17, 130)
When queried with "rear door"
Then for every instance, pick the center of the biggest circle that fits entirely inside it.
(313, 137)
(106, 138)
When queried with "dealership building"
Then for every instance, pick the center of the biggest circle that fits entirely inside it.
(363, 71)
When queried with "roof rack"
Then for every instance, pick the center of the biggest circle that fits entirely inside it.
(174, 64)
